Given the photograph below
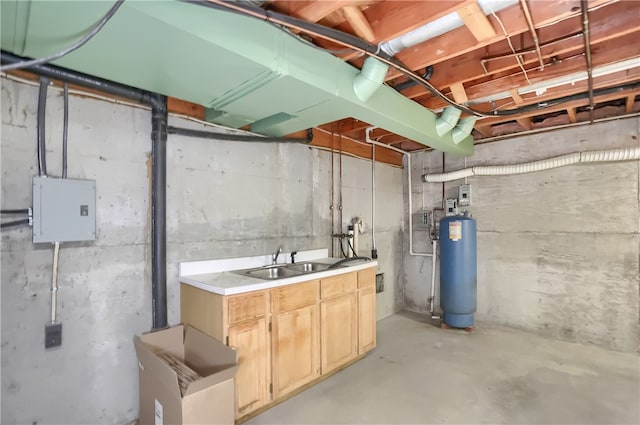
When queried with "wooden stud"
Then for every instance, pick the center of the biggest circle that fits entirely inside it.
(516, 96)
(629, 104)
(359, 22)
(458, 92)
(485, 130)
(476, 21)
(571, 112)
(525, 123)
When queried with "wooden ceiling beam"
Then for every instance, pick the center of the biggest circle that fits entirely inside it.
(476, 22)
(573, 104)
(393, 18)
(602, 54)
(460, 41)
(359, 23)
(325, 139)
(311, 11)
(620, 19)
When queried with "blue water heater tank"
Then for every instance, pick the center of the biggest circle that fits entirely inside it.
(458, 270)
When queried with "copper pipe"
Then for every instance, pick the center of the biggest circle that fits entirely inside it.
(532, 28)
(331, 209)
(587, 53)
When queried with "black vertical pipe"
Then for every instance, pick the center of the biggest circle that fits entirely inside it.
(158, 105)
(159, 210)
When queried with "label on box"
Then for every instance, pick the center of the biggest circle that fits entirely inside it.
(455, 230)
(159, 415)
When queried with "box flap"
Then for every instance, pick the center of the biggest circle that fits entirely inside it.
(210, 380)
(170, 340)
(206, 355)
(210, 358)
(151, 363)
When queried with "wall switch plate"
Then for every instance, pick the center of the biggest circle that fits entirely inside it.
(52, 335)
(379, 283)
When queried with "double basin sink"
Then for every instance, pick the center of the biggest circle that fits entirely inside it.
(281, 271)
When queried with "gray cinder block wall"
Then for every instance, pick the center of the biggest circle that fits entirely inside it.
(225, 199)
(557, 250)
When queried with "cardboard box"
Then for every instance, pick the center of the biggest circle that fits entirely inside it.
(204, 399)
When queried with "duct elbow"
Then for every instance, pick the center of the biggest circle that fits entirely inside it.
(448, 119)
(463, 129)
(370, 78)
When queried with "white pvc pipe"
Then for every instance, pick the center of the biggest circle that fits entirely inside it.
(611, 155)
(54, 283)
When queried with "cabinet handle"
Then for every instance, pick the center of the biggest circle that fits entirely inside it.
(227, 340)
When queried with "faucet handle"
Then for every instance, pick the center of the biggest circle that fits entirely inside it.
(293, 256)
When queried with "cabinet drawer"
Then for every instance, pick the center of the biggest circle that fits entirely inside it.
(367, 278)
(292, 297)
(337, 285)
(246, 306)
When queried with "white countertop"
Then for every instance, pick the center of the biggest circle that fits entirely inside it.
(230, 283)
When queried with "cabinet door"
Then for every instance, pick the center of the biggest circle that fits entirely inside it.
(366, 319)
(252, 378)
(338, 331)
(295, 344)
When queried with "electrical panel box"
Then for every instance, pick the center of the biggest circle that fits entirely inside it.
(464, 195)
(451, 206)
(64, 210)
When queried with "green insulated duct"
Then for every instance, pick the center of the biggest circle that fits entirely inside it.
(243, 70)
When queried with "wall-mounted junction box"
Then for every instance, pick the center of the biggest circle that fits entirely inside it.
(464, 195)
(64, 210)
(451, 206)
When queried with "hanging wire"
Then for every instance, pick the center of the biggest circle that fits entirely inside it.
(88, 36)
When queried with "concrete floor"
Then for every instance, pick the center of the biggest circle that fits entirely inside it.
(421, 374)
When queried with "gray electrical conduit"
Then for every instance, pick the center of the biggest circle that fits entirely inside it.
(409, 184)
(611, 155)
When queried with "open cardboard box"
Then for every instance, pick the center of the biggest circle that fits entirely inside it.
(207, 400)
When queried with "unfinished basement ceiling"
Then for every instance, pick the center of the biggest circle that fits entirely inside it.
(506, 55)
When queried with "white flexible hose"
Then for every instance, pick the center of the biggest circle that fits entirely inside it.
(612, 155)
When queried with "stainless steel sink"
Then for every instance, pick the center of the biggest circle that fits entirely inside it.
(308, 267)
(284, 270)
(269, 273)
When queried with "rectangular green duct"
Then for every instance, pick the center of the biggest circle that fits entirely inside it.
(245, 71)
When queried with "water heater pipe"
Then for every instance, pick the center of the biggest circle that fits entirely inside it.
(611, 155)
(409, 183)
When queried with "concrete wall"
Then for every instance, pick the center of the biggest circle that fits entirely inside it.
(225, 199)
(557, 250)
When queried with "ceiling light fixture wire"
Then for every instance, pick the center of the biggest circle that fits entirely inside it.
(518, 57)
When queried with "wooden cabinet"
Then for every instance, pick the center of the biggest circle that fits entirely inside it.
(338, 321)
(289, 336)
(295, 338)
(366, 310)
(250, 340)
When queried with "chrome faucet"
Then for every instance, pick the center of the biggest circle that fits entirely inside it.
(274, 257)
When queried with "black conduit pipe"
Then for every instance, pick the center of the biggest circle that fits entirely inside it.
(41, 120)
(158, 106)
(14, 223)
(158, 210)
(180, 131)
